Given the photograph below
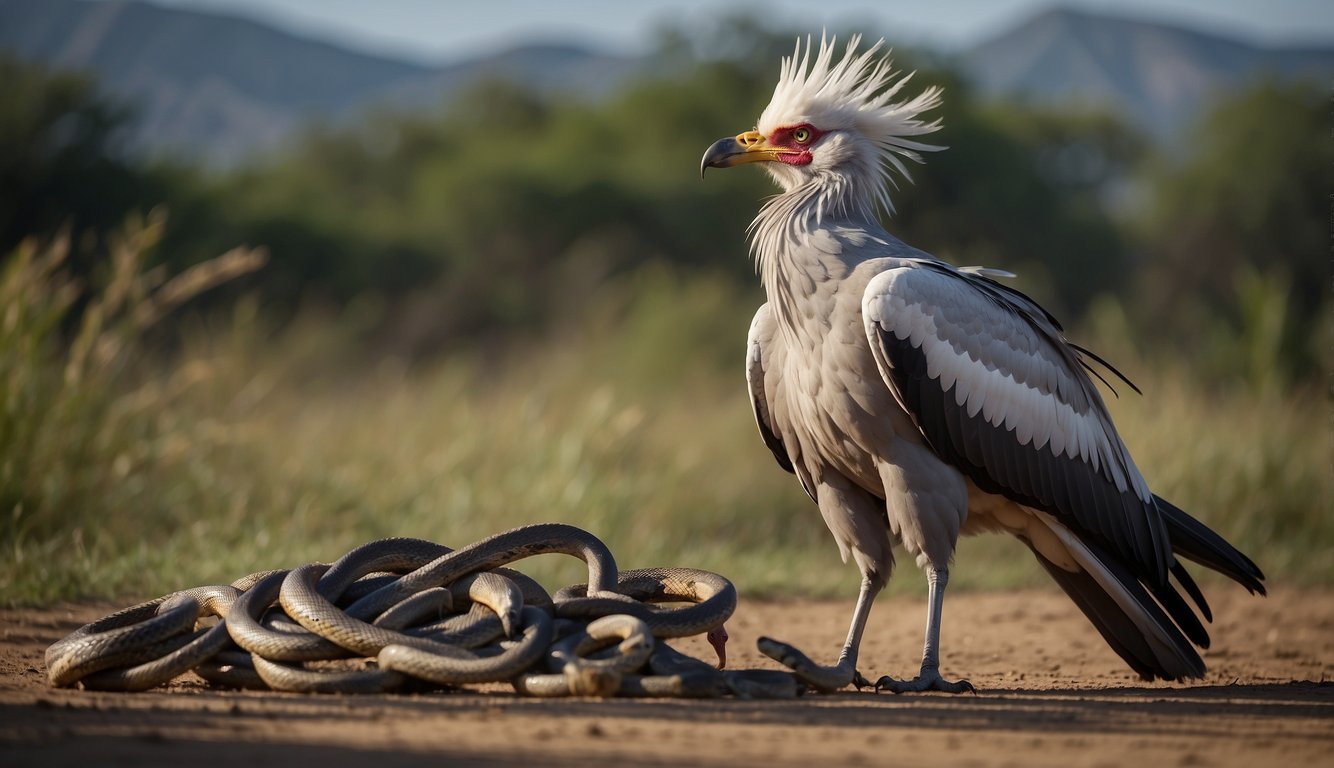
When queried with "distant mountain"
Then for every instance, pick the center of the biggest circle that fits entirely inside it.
(203, 83)
(563, 69)
(1155, 75)
(219, 88)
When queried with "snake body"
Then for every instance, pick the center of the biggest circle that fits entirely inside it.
(497, 550)
(400, 612)
(708, 594)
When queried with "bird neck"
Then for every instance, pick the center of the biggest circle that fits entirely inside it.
(797, 241)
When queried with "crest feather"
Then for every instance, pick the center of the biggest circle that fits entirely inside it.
(856, 92)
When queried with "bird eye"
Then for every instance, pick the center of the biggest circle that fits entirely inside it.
(801, 135)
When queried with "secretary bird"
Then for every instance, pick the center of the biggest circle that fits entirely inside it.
(916, 401)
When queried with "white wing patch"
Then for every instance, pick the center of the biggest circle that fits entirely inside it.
(1010, 381)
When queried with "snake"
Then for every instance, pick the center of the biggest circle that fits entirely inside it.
(145, 645)
(573, 672)
(402, 612)
(708, 596)
(500, 549)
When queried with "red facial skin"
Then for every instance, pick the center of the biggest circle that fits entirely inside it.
(795, 152)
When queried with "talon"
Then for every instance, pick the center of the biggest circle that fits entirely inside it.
(927, 680)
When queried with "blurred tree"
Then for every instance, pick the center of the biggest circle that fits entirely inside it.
(61, 161)
(1237, 236)
(496, 213)
(507, 209)
(1024, 189)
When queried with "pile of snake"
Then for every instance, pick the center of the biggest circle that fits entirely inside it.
(411, 615)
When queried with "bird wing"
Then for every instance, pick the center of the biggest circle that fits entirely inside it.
(763, 391)
(997, 392)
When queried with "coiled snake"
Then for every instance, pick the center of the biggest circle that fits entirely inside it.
(407, 614)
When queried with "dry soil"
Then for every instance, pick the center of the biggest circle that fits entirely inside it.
(1049, 693)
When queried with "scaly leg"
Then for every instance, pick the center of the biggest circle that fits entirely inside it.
(929, 678)
(845, 671)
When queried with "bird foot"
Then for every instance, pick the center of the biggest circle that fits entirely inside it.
(928, 680)
(825, 679)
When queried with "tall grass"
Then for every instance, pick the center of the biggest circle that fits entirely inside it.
(127, 475)
(83, 428)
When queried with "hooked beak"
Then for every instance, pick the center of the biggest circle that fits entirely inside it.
(748, 147)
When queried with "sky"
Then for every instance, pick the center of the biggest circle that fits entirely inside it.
(438, 31)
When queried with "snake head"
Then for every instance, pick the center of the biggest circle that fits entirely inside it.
(509, 620)
(717, 637)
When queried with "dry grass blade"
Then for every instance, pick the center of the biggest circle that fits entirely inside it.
(198, 279)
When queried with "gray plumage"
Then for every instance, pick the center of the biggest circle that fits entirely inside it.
(916, 401)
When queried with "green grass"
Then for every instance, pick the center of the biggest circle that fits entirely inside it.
(125, 476)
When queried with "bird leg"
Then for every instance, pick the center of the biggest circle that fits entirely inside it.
(845, 671)
(929, 678)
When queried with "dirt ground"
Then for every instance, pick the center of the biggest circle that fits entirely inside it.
(1049, 693)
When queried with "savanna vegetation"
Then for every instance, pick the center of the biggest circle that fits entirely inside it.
(524, 307)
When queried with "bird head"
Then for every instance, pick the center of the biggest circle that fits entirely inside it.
(834, 126)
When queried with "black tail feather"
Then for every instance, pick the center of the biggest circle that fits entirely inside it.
(1118, 629)
(1161, 603)
(1180, 611)
(1194, 540)
(1187, 583)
